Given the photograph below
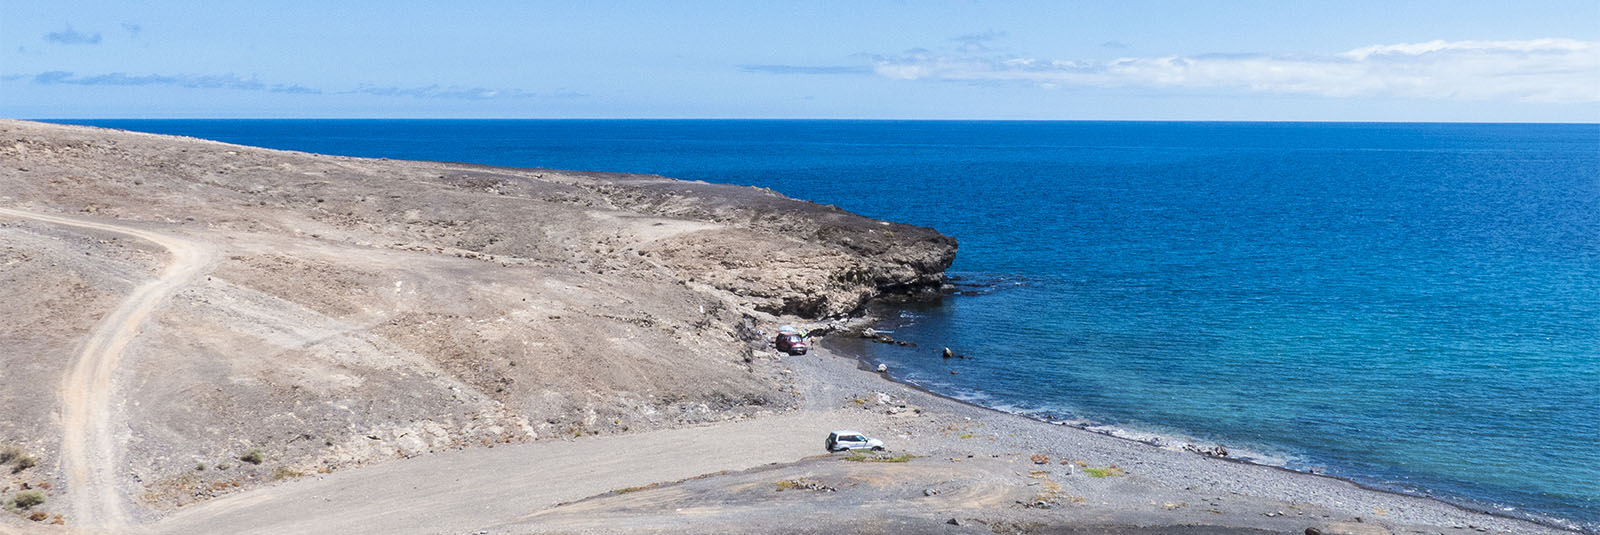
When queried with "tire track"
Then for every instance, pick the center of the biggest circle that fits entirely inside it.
(89, 448)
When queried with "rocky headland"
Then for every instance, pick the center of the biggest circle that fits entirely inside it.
(201, 337)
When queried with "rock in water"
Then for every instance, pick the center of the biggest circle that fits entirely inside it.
(948, 353)
(883, 368)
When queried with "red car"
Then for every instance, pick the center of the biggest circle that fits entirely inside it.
(790, 343)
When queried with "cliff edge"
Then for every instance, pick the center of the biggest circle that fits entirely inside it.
(337, 311)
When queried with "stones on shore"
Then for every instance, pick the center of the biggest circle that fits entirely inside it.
(871, 334)
(885, 403)
(883, 368)
(1040, 458)
(1218, 451)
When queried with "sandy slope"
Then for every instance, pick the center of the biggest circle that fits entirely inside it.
(89, 446)
(355, 311)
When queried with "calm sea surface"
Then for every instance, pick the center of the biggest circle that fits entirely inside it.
(1412, 306)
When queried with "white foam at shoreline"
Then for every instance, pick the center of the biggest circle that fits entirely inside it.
(1164, 440)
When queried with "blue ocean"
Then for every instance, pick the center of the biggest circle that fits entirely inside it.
(1415, 307)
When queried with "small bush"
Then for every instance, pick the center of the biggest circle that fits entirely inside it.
(1109, 471)
(23, 462)
(27, 499)
(200, 467)
(8, 453)
(254, 456)
(284, 472)
(636, 489)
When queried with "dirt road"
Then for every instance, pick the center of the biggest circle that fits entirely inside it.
(89, 452)
(461, 491)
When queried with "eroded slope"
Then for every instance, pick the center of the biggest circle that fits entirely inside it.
(362, 309)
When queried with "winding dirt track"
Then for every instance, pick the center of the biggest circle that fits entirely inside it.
(464, 491)
(89, 453)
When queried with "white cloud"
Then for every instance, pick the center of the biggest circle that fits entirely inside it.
(1541, 70)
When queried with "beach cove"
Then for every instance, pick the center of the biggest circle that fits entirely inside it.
(601, 369)
(1273, 287)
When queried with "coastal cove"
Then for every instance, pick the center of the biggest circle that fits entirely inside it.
(1410, 306)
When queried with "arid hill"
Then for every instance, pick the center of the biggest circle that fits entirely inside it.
(283, 313)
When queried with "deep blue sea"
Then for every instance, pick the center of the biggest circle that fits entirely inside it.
(1411, 306)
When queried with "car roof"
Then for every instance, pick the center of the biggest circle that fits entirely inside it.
(848, 432)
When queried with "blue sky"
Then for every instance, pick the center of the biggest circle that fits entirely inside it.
(1117, 60)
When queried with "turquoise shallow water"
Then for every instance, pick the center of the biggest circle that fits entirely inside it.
(1413, 306)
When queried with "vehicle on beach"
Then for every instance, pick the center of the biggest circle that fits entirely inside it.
(851, 440)
(791, 343)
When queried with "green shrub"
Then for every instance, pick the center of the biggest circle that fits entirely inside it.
(23, 462)
(27, 498)
(8, 453)
(284, 472)
(254, 456)
(1109, 471)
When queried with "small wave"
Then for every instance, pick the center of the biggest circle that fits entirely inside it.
(978, 284)
(1166, 440)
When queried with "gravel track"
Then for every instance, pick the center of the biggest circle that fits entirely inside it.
(89, 445)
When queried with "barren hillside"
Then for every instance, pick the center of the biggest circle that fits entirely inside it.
(325, 312)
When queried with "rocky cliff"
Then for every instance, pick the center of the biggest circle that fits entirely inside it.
(357, 309)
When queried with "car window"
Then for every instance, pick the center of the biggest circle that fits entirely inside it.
(854, 438)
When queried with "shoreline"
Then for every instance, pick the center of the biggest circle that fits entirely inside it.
(1109, 431)
(637, 383)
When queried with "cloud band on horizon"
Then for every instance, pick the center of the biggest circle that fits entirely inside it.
(232, 81)
(1540, 70)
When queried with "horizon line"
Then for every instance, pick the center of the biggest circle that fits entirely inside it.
(798, 119)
